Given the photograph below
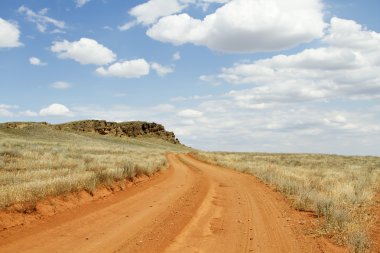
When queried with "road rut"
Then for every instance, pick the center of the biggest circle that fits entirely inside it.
(193, 207)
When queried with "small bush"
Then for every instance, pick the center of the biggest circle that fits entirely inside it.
(359, 241)
(324, 207)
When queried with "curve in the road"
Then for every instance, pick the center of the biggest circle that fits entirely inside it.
(193, 207)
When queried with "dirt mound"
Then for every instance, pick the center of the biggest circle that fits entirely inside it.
(123, 129)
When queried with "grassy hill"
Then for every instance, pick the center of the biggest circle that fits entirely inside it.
(39, 160)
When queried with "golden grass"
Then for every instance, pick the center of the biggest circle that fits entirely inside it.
(338, 189)
(36, 162)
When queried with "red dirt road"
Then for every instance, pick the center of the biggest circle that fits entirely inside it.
(193, 207)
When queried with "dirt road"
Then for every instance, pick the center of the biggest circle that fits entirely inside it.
(193, 207)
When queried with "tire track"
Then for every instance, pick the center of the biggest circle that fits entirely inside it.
(193, 207)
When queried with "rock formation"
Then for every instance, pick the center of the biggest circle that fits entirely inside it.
(123, 129)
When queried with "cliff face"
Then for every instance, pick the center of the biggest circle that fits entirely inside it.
(124, 129)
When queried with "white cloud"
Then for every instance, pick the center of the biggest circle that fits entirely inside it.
(214, 81)
(60, 85)
(84, 51)
(195, 97)
(292, 128)
(80, 3)
(41, 20)
(127, 69)
(9, 34)
(176, 56)
(221, 124)
(310, 101)
(55, 110)
(246, 26)
(37, 62)
(349, 34)
(5, 110)
(345, 68)
(205, 4)
(190, 113)
(127, 26)
(29, 113)
(106, 27)
(150, 11)
(161, 70)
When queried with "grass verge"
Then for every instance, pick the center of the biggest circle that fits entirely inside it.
(37, 161)
(338, 189)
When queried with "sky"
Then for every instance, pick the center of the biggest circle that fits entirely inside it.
(299, 76)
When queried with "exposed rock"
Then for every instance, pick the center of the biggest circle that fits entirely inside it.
(123, 129)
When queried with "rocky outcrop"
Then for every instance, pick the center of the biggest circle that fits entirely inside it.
(127, 129)
(123, 129)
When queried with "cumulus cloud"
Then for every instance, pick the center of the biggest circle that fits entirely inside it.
(84, 51)
(60, 85)
(161, 70)
(9, 34)
(310, 101)
(41, 20)
(293, 128)
(55, 110)
(126, 69)
(80, 3)
(347, 67)
(150, 11)
(205, 4)
(36, 61)
(246, 26)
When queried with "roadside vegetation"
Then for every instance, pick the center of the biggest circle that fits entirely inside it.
(338, 189)
(37, 161)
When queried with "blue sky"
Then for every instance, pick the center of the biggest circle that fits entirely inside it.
(238, 75)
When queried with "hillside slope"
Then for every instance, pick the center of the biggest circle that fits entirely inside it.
(39, 160)
(123, 129)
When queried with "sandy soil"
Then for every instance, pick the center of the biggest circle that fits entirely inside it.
(375, 230)
(193, 207)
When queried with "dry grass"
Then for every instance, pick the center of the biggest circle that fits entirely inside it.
(338, 189)
(36, 161)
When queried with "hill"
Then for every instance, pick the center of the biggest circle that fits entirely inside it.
(40, 159)
(123, 129)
